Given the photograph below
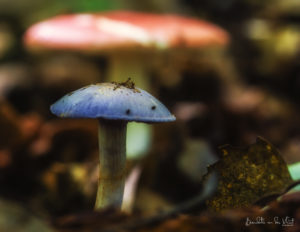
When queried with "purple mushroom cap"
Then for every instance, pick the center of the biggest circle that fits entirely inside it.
(114, 102)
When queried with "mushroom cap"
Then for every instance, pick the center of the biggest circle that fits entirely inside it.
(112, 101)
(123, 30)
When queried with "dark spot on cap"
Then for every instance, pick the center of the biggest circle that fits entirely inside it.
(153, 107)
(128, 111)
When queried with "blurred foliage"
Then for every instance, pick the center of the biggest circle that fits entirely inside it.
(30, 11)
(294, 169)
(76, 6)
(15, 218)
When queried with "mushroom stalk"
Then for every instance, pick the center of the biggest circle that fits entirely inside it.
(113, 104)
(134, 66)
(112, 172)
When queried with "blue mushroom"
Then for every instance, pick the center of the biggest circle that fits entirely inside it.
(113, 104)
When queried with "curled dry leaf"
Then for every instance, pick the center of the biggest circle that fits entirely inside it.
(248, 174)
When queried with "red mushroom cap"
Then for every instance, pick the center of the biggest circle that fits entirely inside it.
(123, 29)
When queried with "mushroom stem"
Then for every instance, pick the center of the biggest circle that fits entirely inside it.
(112, 147)
(133, 65)
(130, 65)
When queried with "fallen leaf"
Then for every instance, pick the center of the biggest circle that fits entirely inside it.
(247, 175)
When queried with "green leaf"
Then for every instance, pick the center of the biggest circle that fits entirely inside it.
(294, 170)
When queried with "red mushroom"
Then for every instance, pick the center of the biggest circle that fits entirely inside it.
(123, 29)
(123, 35)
